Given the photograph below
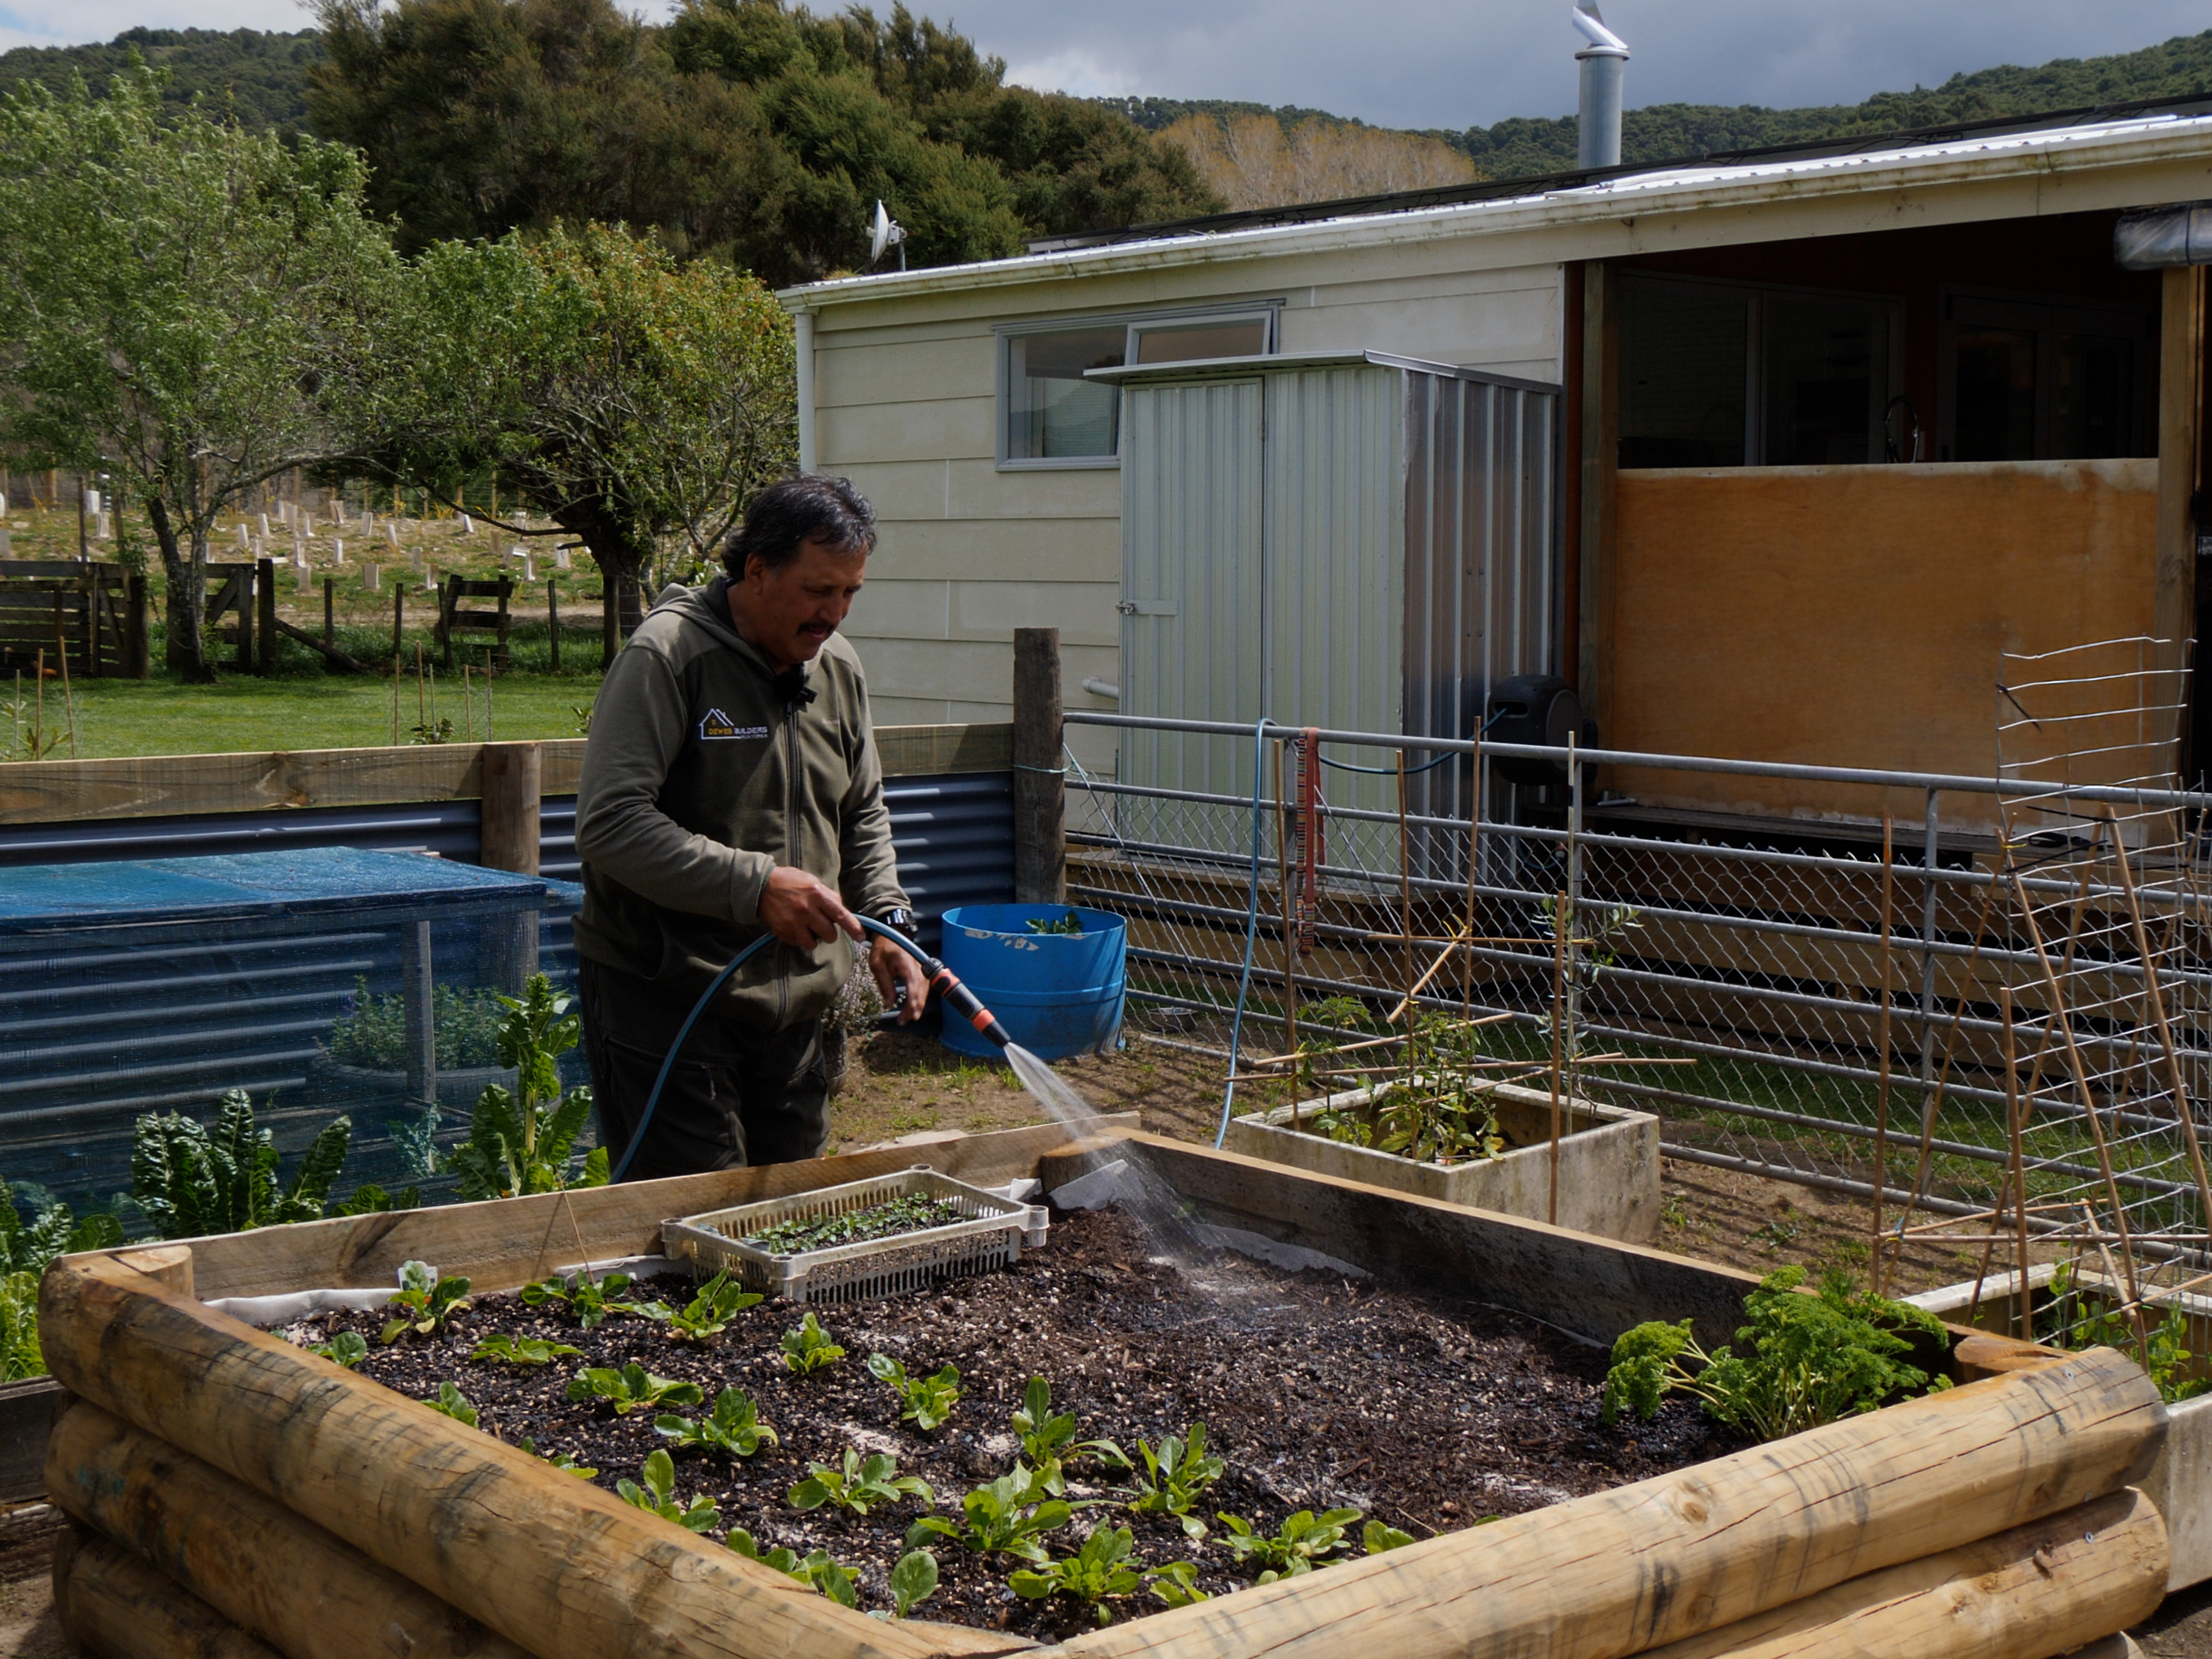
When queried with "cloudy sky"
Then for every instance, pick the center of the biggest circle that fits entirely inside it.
(1414, 63)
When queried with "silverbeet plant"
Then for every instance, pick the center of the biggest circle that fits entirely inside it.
(733, 1427)
(347, 1349)
(1302, 1543)
(1007, 1517)
(809, 1349)
(453, 1403)
(925, 1402)
(1104, 1566)
(1048, 1437)
(858, 1484)
(632, 1388)
(709, 1312)
(658, 1496)
(520, 1350)
(815, 1568)
(425, 1301)
(559, 1460)
(590, 1300)
(1175, 1475)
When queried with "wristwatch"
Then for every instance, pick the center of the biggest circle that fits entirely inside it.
(900, 919)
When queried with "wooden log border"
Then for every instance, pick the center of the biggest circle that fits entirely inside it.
(171, 785)
(565, 1571)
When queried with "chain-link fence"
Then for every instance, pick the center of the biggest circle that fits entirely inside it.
(1831, 1000)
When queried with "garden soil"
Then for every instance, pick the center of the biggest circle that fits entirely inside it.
(1425, 1412)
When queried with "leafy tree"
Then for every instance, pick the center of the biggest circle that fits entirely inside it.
(191, 1180)
(261, 76)
(176, 293)
(636, 401)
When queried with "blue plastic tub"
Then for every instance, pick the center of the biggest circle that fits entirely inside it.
(1057, 995)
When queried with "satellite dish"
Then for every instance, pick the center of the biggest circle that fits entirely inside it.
(885, 231)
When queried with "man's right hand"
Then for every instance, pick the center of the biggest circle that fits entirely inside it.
(801, 911)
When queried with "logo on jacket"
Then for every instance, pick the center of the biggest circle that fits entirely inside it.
(716, 724)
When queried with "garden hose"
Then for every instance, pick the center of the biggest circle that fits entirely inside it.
(957, 998)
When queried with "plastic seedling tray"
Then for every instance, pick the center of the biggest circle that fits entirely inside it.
(991, 1235)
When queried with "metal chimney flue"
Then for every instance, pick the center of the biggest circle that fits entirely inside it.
(1604, 61)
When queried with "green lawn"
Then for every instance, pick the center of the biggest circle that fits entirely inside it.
(308, 711)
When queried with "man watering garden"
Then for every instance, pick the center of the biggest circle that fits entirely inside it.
(731, 789)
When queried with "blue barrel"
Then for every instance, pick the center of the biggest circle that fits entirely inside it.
(1057, 995)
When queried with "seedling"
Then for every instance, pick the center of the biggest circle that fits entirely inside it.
(631, 1388)
(815, 1568)
(591, 1300)
(520, 1350)
(1377, 1536)
(858, 1485)
(1070, 925)
(1102, 1567)
(733, 1427)
(1813, 1359)
(1176, 1475)
(1176, 1584)
(425, 1300)
(1005, 1517)
(809, 1349)
(1047, 1435)
(1302, 1543)
(559, 1460)
(347, 1348)
(927, 1401)
(453, 1403)
(710, 1311)
(912, 1213)
(913, 1581)
(658, 1496)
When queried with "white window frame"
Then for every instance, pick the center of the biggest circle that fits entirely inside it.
(1134, 324)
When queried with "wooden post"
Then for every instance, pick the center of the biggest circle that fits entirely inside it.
(553, 622)
(398, 616)
(1040, 792)
(166, 1264)
(265, 603)
(422, 1040)
(1600, 441)
(2180, 397)
(138, 649)
(330, 610)
(509, 836)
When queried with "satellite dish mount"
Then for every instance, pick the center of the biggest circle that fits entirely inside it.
(885, 231)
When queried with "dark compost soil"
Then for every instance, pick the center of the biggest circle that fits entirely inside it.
(1425, 1410)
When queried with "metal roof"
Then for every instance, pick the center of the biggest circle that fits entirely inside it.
(2143, 139)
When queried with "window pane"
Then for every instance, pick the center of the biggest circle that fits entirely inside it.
(1190, 343)
(1052, 412)
(1827, 367)
(1995, 418)
(2093, 405)
(1683, 367)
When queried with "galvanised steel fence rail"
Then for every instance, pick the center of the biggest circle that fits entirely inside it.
(1837, 982)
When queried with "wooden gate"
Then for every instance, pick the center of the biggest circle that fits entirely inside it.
(94, 613)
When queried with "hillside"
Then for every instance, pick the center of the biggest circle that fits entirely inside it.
(264, 74)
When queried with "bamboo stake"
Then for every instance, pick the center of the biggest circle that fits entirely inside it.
(1558, 1003)
(1881, 1046)
(1406, 909)
(1474, 865)
(1290, 940)
(2017, 1155)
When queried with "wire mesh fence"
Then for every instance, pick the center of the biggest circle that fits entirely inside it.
(1983, 999)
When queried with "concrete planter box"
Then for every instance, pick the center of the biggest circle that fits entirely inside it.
(2180, 1482)
(1609, 1161)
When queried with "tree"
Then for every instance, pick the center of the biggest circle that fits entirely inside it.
(636, 401)
(175, 295)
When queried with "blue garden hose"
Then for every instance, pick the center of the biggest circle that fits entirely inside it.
(957, 997)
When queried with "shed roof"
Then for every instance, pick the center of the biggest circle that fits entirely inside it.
(2150, 140)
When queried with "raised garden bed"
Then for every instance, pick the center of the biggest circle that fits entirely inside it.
(1993, 1518)
(1608, 1179)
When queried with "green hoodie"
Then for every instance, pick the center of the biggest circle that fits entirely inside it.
(705, 771)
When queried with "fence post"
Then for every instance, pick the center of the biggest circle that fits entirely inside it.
(511, 779)
(265, 603)
(1040, 792)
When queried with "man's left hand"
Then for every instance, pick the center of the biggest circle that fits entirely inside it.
(894, 967)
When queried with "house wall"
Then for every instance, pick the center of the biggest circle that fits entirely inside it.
(907, 404)
(1853, 616)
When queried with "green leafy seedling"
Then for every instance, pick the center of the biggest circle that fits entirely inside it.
(710, 1311)
(815, 1568)
(1005, 1517)
(632, 1388)
(520, 1350)
(809, 1349)
(1303, 1541)
(347, 1348)
(914, 1581)
(1104, 1566)
(733, 1427)
(658, 1496)
(559, 1460)
(591, 1300)
(1048, 1436)
(1176, 1584)
(1175, 1475)
(925, 1402)
(453, 1403)
(858, 1485)
(1377, 1536)
(425, 1300)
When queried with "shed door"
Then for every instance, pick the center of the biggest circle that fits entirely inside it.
(1191, 577)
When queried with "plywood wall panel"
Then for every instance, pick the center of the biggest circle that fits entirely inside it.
(1855, 616)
